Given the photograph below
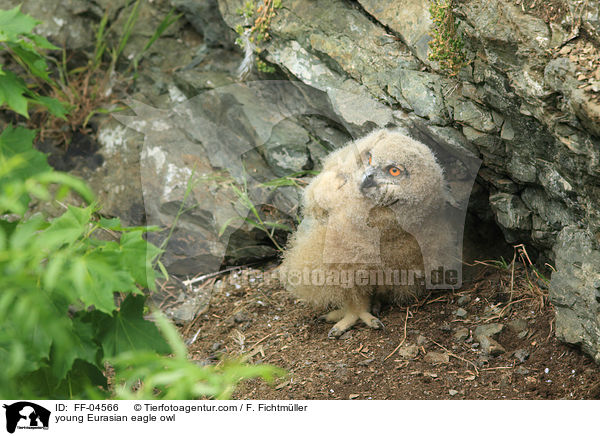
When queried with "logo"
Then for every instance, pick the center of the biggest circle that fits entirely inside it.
(222, 154)
(26, 415)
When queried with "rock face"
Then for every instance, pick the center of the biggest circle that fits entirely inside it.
(526, 104)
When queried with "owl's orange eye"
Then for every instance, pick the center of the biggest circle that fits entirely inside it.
(394, 171)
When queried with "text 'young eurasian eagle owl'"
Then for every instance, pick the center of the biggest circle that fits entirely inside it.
(360, 217)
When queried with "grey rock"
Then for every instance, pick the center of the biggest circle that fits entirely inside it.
(461, 334)
(468, 112)
(463, 300)
(491, 347)
(66, 24)
(187, 310)
(424, 94)
(206, 19)
(487, 330)
(408, 351)
(484, 334)
(574, 289)
(437, 358)
(517, 325)
(461, 313)
(286, 150)
(521, 354)
(452, 392)
(410, 19)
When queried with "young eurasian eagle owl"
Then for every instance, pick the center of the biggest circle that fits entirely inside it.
(357, 237)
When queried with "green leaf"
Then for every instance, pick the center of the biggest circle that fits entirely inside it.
(138, 255)
(67, 228)
(42, 42)
(54, 106)
(277, 225)
(73, 182)
(35, 63)
(14, 23)
(115, 224)
(19, 141)
(82, 381)
(12, 93)
(127, 330)
(227, 223)
(79, 344)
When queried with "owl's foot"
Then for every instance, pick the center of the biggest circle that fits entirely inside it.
(350, 319)
(333, 316)
(342, 325)
(371, 321)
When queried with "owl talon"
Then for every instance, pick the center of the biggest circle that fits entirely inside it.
(334, 333)
(379, 325)
(371, 321)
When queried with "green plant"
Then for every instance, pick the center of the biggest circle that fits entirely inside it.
(294, 179)
(58, 315)
(255, 220)
(501, 264)
(87, 90)
(255, 32)
(446, 46)
(73, 288)
(176, 378)
(27, 50)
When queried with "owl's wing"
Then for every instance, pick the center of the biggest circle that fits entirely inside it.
(323, 194)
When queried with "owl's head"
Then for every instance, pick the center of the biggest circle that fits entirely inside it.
(400, 172)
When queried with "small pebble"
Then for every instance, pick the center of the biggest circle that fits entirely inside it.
(522, 354)
(491, 347)
(517, 325)
(437, 358)
(488, 330)
(463, 301)
(461, 313)
(461, 334)
(452, 392)
(408, 351)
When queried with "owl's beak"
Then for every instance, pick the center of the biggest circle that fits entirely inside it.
(368, 180)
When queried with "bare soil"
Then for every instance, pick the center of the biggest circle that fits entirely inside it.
(267, 325)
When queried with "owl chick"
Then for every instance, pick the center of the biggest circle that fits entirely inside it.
(360, 218)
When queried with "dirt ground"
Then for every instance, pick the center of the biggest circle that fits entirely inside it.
(430, 350)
